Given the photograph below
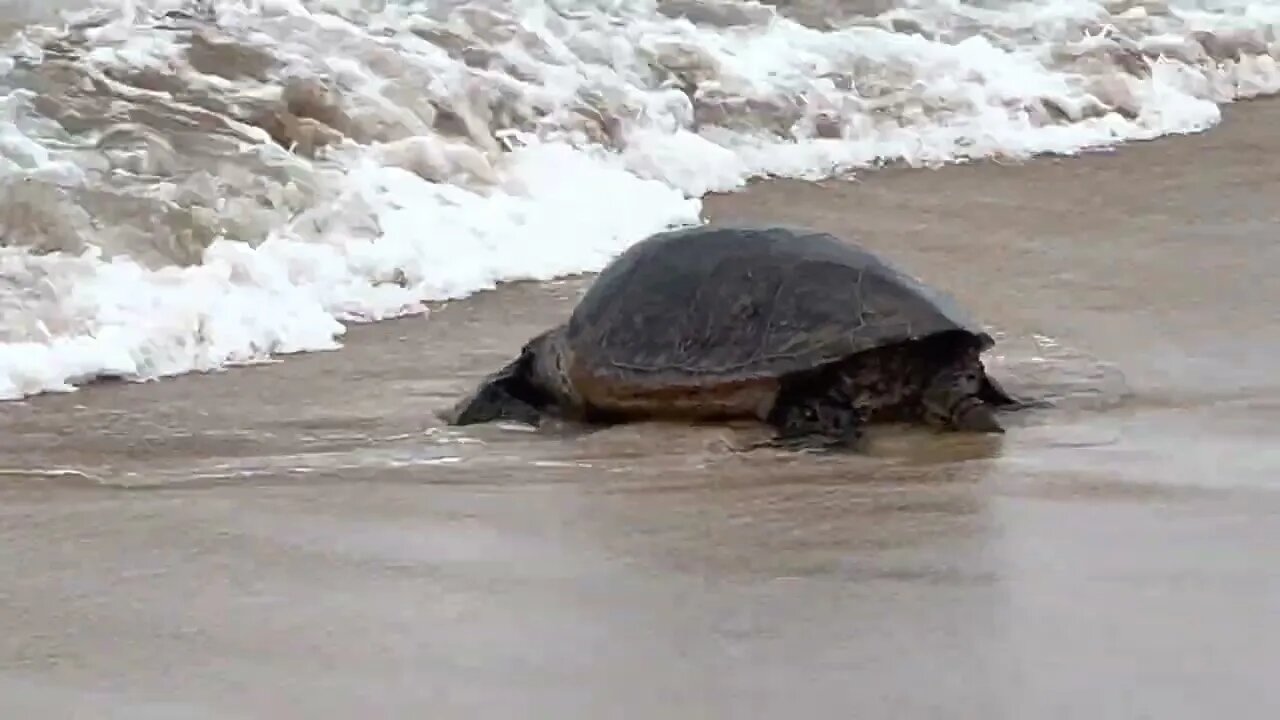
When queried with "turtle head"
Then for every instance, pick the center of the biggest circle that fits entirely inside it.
(512, 393)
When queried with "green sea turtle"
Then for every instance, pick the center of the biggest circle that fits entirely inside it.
(800, 329)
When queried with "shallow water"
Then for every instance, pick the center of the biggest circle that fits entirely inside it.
(302, 539)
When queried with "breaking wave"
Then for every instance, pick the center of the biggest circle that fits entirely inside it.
(188, 185)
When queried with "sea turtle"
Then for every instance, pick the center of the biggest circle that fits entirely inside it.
(805, 331)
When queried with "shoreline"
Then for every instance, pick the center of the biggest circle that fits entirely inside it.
(1023, 228)
(305, 540)
(709, 202)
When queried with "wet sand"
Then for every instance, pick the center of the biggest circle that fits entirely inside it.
(303, 540)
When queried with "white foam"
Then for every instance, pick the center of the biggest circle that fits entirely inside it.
(578, 138)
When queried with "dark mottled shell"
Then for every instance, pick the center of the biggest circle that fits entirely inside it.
(711, 305)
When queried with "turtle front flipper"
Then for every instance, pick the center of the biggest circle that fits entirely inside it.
(503, 395)
(815, 422)
(993, 393)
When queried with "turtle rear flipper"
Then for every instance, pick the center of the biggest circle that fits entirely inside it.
(503, 395)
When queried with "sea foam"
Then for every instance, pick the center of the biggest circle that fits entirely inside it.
(187, 186)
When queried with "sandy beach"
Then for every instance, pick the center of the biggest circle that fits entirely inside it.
(303, 539)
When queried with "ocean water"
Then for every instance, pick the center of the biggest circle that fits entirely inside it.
(186, 186)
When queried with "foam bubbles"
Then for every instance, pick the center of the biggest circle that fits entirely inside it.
(196, 185)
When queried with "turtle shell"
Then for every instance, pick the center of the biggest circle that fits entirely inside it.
(724, 304)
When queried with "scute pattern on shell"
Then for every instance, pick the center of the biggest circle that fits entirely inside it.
(716, 303)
